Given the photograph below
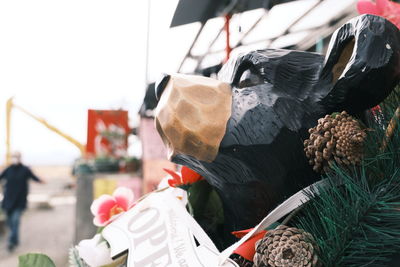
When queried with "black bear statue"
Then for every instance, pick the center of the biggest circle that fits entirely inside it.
(244, 132)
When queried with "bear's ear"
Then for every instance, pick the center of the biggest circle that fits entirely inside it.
(362, 65)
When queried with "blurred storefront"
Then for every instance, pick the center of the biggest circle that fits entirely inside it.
(154, 156)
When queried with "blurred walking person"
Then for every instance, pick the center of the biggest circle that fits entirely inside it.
(15, 192)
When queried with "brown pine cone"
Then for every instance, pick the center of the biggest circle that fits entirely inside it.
(286, 246)
(337, 138)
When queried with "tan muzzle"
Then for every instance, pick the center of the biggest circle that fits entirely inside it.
(192, 114)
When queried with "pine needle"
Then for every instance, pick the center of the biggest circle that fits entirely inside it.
(358, 223)
(74, 259)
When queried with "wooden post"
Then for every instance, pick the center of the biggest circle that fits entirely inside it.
(84, 228)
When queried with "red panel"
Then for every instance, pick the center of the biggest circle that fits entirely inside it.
(107, 133)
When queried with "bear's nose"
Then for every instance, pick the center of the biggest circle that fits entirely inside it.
(192, 114)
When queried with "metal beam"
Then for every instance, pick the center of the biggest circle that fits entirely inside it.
(305, 44)
(239, 43)
(189, 52)
(323, 32)
(200, 58)
(244, 45)
(287, 31)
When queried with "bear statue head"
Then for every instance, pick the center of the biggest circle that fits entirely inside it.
(244, 132)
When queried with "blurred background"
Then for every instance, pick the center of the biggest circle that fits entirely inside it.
(77, 91)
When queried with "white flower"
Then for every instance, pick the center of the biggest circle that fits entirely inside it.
(177, 192)
(95, 251)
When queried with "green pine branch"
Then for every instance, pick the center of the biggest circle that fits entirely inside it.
(358, 223)
(74, 259)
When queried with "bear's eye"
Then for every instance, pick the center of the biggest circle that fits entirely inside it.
(249, 78)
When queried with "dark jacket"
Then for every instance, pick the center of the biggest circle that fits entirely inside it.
(17, 186)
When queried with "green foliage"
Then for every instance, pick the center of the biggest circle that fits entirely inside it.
(206, 204)
(74, 259)
(35, 260)
(206, 207)
(358, 223)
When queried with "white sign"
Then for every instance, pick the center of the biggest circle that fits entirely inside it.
(159, 231)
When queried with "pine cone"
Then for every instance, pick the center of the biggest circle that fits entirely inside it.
(337, 139)
(286, 246)
(242, 262)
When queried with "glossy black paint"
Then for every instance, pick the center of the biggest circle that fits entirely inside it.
(277, 96)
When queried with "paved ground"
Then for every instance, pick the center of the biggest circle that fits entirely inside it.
(43, 231)
(48, 231)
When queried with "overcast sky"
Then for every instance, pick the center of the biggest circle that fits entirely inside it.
(60, 58)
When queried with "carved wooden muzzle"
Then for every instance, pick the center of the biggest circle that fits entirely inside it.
(247, 142)
(192, 114)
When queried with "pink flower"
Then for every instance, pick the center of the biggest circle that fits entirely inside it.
(107, 208)
(385, 8)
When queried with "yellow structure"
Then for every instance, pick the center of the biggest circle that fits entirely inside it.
(10, 105)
